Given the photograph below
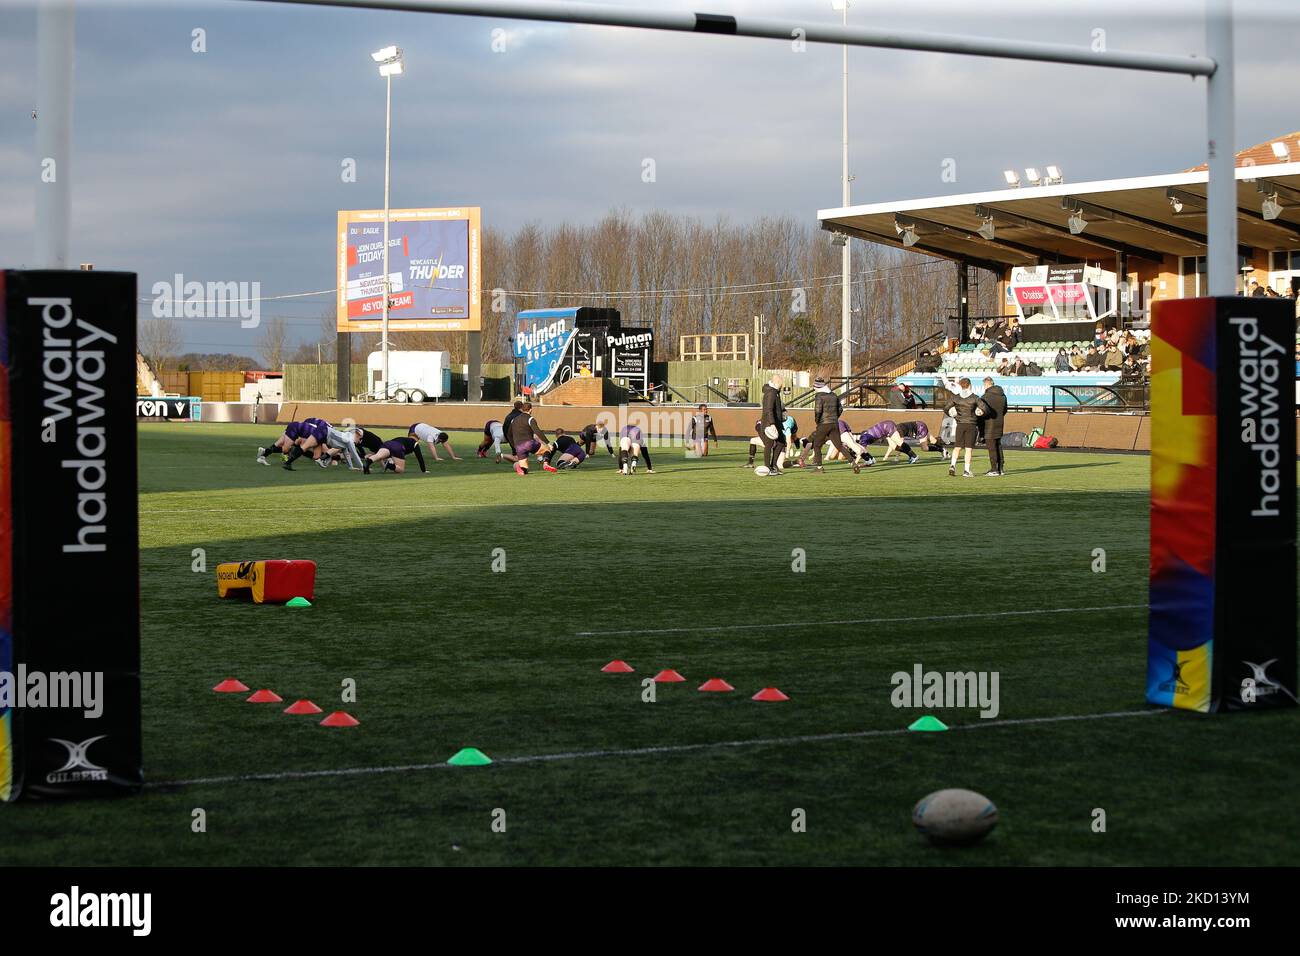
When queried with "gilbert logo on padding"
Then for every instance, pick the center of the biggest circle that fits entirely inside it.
(79, 766)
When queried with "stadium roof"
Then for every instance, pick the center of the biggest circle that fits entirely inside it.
(1148, 217)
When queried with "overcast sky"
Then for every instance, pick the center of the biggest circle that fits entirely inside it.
(226, 165)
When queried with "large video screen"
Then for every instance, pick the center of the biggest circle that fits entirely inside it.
(433, 267)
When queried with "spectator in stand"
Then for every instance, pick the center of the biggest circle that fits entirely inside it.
(1131, 373)
(1018, 367)
(1009, 337)
(1076, 358)
(902, 396)
(1062, 360)
(1114, 357)
(1254, 287)
(1093, 360)
(1099, 336)
(1004, 367)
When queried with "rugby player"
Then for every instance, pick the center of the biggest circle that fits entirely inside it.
(433, 437)
(393, 454)
(888, 432)
(700, 430)
(774, 416)
(313, 433)
(525, 437)
(494, 433)
(570, 450)
(286, 441)
(630, 447)
(591, 434)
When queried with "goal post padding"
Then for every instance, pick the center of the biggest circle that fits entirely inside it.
(69, 536)
(1222, 626)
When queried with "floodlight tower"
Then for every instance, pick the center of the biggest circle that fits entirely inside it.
(390, 65)
(846, 252)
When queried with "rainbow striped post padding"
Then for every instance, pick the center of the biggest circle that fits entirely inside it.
(1222, 627)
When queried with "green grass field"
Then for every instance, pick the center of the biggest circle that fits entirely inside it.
(689, 568)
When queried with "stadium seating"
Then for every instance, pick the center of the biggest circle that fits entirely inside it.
(968, 358)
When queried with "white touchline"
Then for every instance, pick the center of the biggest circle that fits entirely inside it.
(638, 751)
(860, 620)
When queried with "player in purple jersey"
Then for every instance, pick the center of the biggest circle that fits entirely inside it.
(525, 437)
(286, 441)
(392, 454)
(569, 449)
(886, 431)
(631, 445)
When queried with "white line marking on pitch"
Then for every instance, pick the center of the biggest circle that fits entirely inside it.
(638, 751)
(861, 620)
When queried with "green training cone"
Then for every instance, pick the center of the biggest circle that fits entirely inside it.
(298, 602)
(469, 757)
(927, 723)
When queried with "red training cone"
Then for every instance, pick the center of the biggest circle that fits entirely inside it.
(340, 718)
(668, 676)
(230, 686)
(716, 684)
(617, 667)
(302, 707)
(265, 697)
(769, 693)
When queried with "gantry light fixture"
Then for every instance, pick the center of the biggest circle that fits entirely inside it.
(1031, 176)
(389, 60)
(1281, 151)
(1011, 176)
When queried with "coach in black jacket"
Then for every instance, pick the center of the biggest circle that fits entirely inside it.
(773, 422)
(827, 410)
(992, 410)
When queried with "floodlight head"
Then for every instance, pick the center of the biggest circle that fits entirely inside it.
(1031, 175)
(909, 236)
(1054, 172)
(1011, 176)
(386, 54)
(1281, 151)
(1077, 223)
(1271, 207)
(839, 239)
(987, 230)
(1176, 204)
(391, 69)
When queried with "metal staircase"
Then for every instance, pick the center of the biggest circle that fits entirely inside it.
(871, 386)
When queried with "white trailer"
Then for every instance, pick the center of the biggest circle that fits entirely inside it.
(416, 376)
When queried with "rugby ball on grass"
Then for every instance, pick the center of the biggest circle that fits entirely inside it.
(762, 471)
(954, 817)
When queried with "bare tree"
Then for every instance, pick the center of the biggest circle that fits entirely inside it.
(272, 343)
(159, 341)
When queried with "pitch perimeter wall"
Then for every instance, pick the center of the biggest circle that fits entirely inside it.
(1073, 429)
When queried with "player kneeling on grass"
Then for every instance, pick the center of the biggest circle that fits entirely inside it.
(961, 409)
(494, 433)
(392, 454)
(631, 446)
(570, 451)
(525, 438)
(699, 430)
(919, 432)
(433, 437)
